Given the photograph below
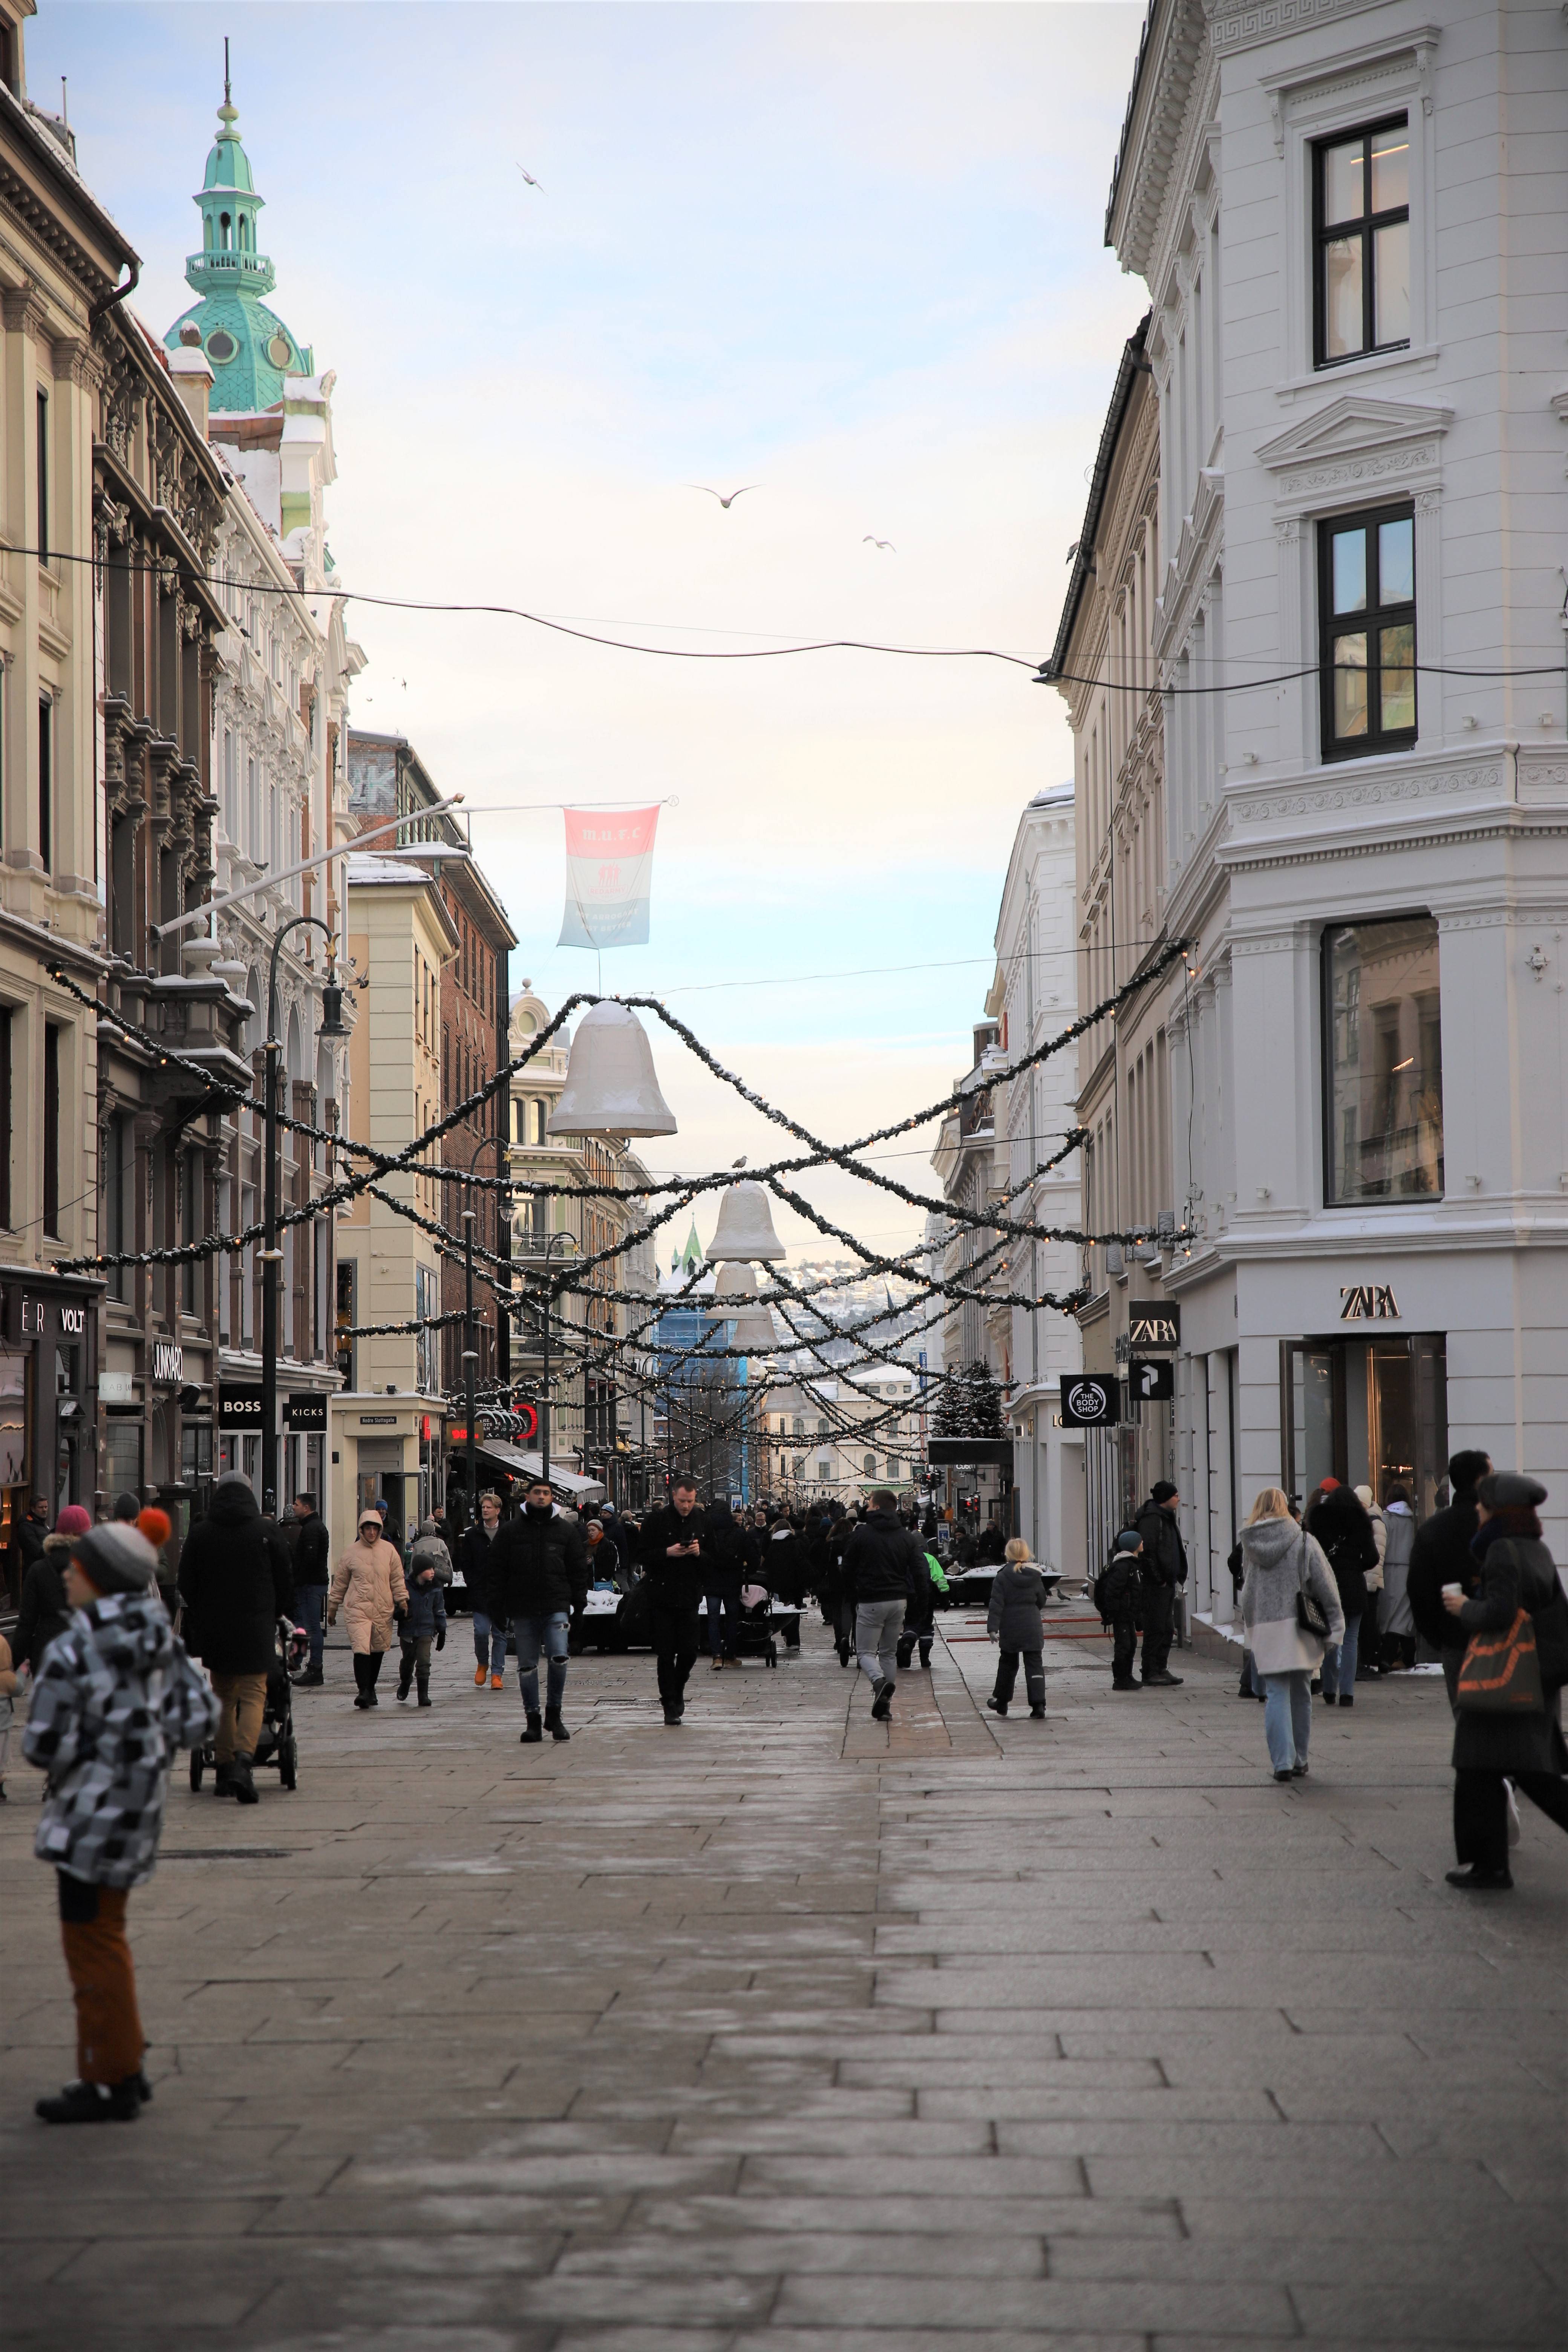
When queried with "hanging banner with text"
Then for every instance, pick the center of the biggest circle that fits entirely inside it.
(609, 871)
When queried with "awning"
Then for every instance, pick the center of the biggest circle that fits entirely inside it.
(518, 1465)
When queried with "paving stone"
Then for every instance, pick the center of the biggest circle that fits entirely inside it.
(799, 2035)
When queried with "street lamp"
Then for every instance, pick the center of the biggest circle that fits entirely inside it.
(470, 1352)
(332, 1025)
(568, 1243)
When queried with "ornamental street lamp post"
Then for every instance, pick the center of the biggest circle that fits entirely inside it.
(330, 1025)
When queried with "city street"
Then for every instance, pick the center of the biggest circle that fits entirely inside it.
(784, 2030)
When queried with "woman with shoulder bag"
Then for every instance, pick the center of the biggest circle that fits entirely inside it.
(1515, 1572)
(1289, 1609)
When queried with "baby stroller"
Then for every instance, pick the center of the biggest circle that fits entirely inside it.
(753, 1629)
(276, 1743)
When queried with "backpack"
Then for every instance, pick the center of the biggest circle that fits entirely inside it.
(1119, 1586)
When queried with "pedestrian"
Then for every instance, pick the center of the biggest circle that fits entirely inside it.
(1441, 1555)
(44, 1612)
(1164, 1572)
(1511, 1571)
(1397, 1627)
(425, 1626)
(881, 1563)
(7, 1711)
(919, 1612)
(30, 1532)
(1338, 1524)
(124, 1509)
(235, 1583)
(370, 1589)
(604, 1554)
(116, 1696)
(674, 1541)
(1283, 1563)
(1118, 1594)
(1369, 1658)
(312, 1574)
(473, 1559)
(158, 1527)
(1014, 1623)
(723, 1551)
(536, 1574)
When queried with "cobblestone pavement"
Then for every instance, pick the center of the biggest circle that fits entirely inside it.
(787, 2033)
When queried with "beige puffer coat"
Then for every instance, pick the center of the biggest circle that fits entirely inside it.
(368, 1585)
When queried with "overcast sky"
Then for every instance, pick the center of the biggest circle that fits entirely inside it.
(850, 255)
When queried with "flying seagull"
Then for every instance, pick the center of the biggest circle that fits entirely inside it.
(528, 177)
(871, 541)
(726, 502)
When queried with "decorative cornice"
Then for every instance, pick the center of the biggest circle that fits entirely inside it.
(1249, 26)
(1374, 792)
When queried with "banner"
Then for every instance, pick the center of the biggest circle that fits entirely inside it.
(609, 869)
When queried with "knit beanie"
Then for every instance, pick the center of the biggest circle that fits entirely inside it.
(73, 1521)
(1128, 1540)
(125, 1508)
(118, 1559)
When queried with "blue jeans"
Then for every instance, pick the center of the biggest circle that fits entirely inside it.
(489, 1643)
(723, 1610)
(1287, 1717)
(1339, 1664)
(311, 1610)
(549, 1635)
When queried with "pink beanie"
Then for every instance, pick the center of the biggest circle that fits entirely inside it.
(73, 1521)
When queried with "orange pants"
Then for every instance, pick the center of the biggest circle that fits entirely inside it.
(109, 2038)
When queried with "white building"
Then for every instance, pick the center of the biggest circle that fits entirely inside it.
(1351, 221)
(1034, 998)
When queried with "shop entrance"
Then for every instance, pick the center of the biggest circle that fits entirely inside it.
(1370, 1412)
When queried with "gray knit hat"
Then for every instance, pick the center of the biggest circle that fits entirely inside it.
(1510, 1490)
(118, 1559)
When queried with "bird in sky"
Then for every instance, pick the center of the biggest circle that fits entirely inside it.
(528, 177)
(725, 502)
(869, 540)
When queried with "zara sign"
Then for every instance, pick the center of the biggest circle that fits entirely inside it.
(1368, 1302)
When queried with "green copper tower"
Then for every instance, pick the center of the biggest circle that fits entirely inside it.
(249, 348)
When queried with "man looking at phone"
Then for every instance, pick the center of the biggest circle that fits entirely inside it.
(674, 1541)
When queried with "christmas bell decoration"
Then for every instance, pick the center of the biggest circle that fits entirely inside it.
(611, 1085)
(745, 1229)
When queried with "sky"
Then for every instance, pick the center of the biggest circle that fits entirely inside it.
(849, 254)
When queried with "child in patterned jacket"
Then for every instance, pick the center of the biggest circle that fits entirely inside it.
(115, 1697)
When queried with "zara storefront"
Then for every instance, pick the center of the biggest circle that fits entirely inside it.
(1385, 1278)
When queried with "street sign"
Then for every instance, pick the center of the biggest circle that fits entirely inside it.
(1151, 1380)
(239, 1408)
(1154, 1331)
(305, 1411)
(1090, 1399)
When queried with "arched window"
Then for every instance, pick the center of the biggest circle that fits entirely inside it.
(870, 1460)
(225, 231)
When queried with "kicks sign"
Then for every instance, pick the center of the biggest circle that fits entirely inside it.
(1368, 1302)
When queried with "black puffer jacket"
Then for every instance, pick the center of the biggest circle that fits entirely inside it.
(1164, 1560)
(1340, 1525)
(680, 1584)
(1441, 1555)
(1514, 1572)
(44, 1612)
(883, 1561)
(311, 1565)
(236, 1582)
(537, 1565)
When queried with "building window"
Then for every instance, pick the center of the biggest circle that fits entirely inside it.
(1366, 585)
(1362, 227)
(347, 1270)
(43, 476)
(45, 781)
(1383, 1074)
(7, 1101)
(51, 1129)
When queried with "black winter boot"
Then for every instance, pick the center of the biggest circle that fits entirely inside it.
(533, 1733)
(406, 1677)
(554, 1725)
(242, 1782)
(882, 1704)
(997, 1705)
(222, 1780)
(421, 1683)
(93, 2103)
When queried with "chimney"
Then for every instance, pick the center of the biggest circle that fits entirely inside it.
(192, 372)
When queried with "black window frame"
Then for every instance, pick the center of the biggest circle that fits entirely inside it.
(1325, 234)
(1374, 617)
(1334, 1201)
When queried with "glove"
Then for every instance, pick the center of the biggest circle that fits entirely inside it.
(441, 1639)
(400, 1611)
